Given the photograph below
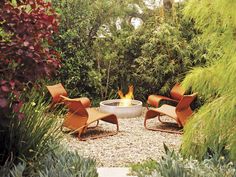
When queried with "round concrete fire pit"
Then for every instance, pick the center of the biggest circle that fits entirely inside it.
(117, 107)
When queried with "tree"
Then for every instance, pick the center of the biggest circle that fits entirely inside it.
(212, 128)
(82, 23)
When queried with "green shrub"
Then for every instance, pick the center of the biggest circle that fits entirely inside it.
(82, 23)
(173, 164)
(152, 57)
(98, 57)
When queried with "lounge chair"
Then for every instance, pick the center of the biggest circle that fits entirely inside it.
(58, 90)
(180, 113)
(79, 118)
(176, 94)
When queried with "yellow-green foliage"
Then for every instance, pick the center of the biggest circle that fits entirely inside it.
(213, 126)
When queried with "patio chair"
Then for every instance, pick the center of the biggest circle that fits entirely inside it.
(180, 113)
(58, 90)
(79, 118)
(176, 94)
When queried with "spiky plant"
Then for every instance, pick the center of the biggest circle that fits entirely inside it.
(29, 138)
(212, 129)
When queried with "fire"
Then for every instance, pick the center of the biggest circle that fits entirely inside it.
(126, 100)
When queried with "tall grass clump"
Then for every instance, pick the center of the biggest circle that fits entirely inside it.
(31, 144)
(30, 137)
(212, 129)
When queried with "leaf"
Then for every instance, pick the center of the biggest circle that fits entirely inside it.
(26, 43)
(166, 148)
(3, 102)
(5, 88)
(21, 116)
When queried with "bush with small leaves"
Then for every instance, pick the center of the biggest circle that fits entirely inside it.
(27, 55)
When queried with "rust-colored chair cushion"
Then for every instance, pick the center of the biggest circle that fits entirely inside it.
(176, 94)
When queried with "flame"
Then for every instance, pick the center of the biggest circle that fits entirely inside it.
(126, 100)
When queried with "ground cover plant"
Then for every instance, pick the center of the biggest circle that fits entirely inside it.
(55, 163)
(173, 164)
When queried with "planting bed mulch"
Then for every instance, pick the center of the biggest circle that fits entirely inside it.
(132, 144)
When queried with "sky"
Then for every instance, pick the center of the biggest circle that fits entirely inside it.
(136, 22)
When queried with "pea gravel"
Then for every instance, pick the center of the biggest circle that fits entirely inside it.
(132, 144)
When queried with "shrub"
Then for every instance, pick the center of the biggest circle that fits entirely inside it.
(82, 24)
(78, 29)
(152, 57)
(169, 49)
(26, 55)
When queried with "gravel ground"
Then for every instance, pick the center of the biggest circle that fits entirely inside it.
(132, 144)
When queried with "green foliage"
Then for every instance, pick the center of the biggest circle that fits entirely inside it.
(73, 42)
(29, 138)
(152, 57)
(82, 23)
(173, 164)
(15, 171)
(59, 162)
(102, 50)
(3, 35)
(145, 168)
(166, 56)
(212, 128)
(66, 163)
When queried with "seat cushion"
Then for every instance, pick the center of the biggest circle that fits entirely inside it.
(167, 110)
(154, 100)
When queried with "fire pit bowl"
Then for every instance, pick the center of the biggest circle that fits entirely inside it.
(113, 106)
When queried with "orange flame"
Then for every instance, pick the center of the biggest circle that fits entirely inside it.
(126, 100)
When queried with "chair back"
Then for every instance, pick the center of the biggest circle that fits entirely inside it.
(183, 109)
(177, 92)
(77, 116)
(76, 107)
(56, 91)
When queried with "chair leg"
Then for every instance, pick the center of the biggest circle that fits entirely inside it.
(100, 136)
(94, 126)
(147, 106)
(152, 114)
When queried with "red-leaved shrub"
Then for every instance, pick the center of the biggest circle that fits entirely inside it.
(28, 55)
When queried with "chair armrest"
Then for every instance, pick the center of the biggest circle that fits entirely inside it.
(84, 100)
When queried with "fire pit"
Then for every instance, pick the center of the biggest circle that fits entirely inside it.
(122, 107)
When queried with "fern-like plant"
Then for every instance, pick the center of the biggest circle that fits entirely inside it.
(212, 129)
